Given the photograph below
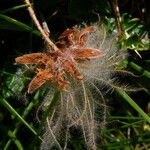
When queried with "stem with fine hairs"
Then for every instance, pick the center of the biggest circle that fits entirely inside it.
(44, 35)
(115, 8)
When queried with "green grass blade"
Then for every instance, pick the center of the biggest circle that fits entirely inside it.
(8, 22)
(15, 113)
(125, 118)
(133, 104)
(140, 69)
(14, 8)
(25, 113)
(16, 141)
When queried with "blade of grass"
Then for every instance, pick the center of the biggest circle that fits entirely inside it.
(16, 141)
(15, 113)
(19, 24)
(133, 104)
(14, 8)
(25, 113)
(140, 69)
(138, 134)
(125, 118)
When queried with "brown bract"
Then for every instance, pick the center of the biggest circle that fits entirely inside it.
(54, 65)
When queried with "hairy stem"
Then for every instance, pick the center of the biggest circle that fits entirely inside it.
(38, 25)
(115, 8)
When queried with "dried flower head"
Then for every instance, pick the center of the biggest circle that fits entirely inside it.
(72, 49)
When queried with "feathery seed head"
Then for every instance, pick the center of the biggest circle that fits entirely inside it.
(83, 104)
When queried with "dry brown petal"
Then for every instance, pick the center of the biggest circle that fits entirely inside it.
(81, 36)
(41, 77)
(34, 58)
(87, 53)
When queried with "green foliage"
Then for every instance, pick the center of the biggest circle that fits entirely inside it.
(129, 125)
(135, 36)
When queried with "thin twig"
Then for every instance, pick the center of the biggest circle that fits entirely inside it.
(38, 25)
(115, 8)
